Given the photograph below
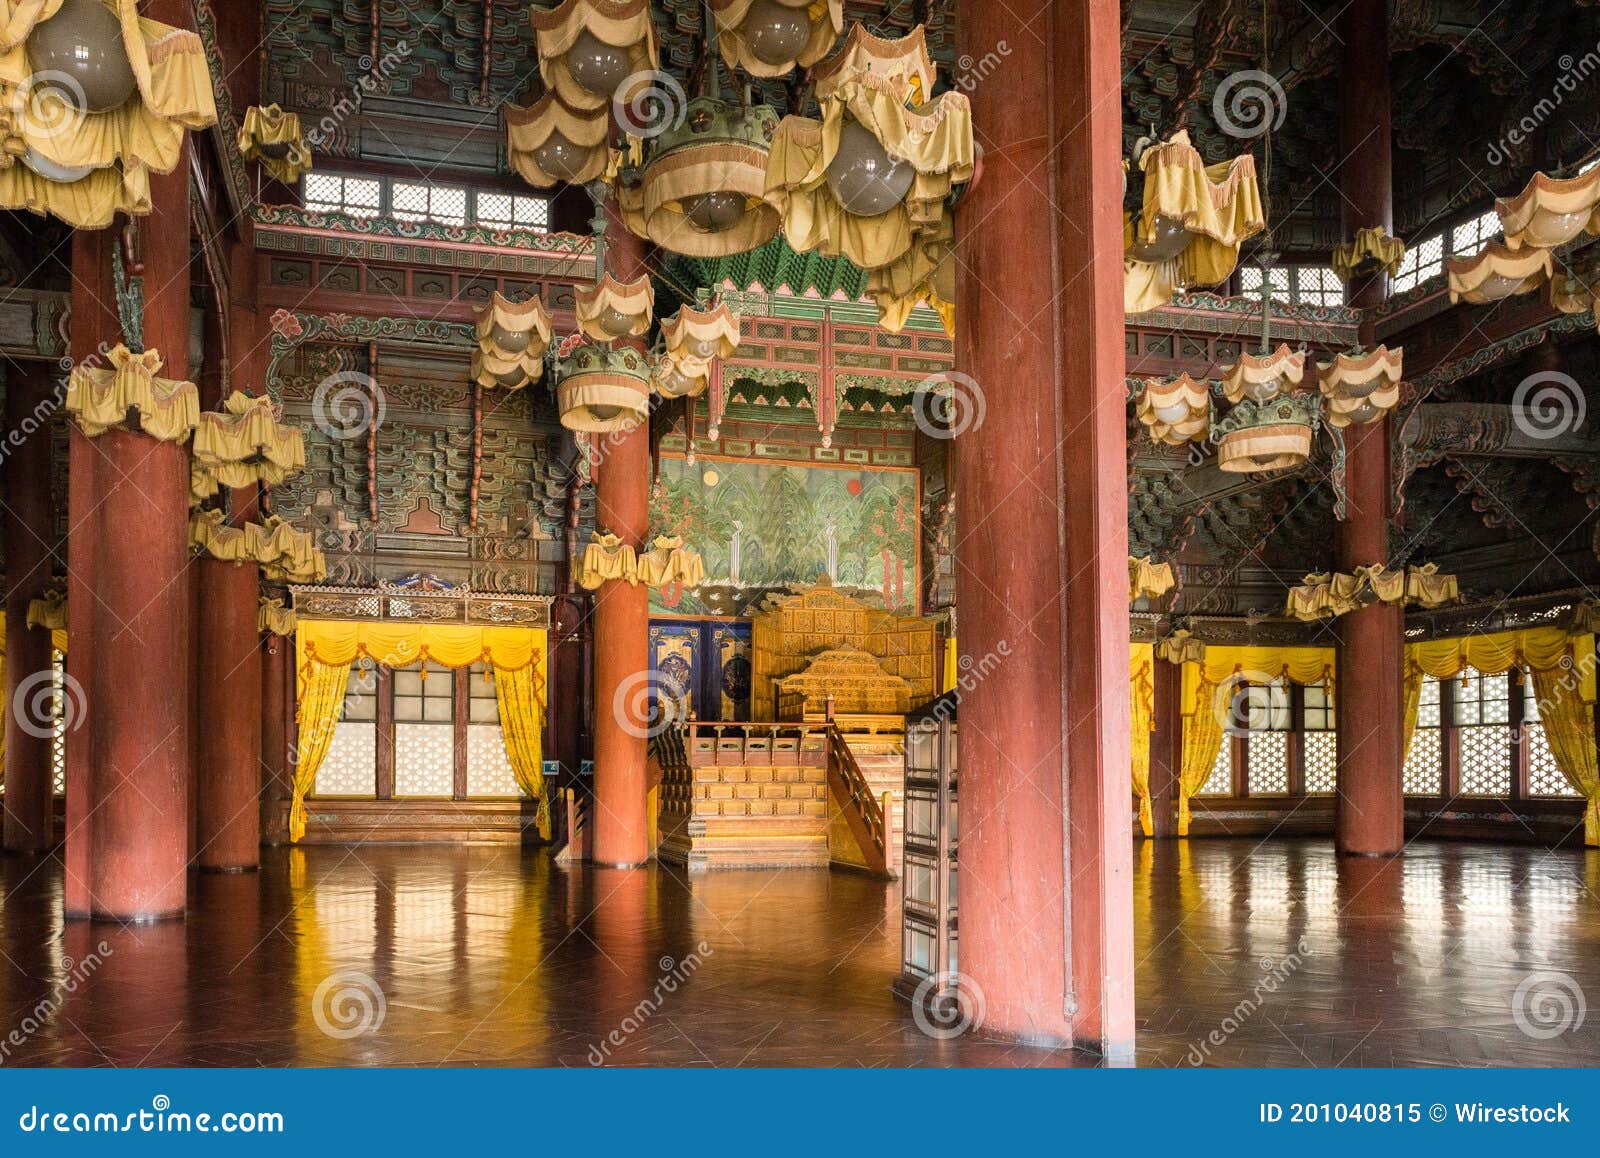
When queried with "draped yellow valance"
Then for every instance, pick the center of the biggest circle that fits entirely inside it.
(241, 445)
(49, 611)
(102, 399)
(273, 137)
(328, 641)
(607, 557)
(275, 618)
(668, 561)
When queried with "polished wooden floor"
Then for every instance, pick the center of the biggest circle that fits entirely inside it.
(1265, 954)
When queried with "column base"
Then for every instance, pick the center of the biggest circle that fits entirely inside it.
(230, 868)
(620, 865)
(140, 918)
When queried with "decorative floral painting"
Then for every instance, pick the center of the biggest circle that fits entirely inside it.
(761, 527)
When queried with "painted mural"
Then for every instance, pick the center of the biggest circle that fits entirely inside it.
(760, 527)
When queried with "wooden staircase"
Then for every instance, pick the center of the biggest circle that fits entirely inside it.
(747, 795)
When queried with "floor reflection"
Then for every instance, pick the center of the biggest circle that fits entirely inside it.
(1274, 954)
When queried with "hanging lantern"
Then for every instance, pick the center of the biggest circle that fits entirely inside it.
(769, 38)
(512, 340)
(549, 142)
(1551, 211)
(1360, 388)
(603, 389)
(1262, 377)
(273, 137)
(611, 309)
(700, 194)
(1175, 411)
(926, 273)
(1256, 437)
(1372, 248)
(1191, 226)
(1148, 579)
(668, 561)
(589, 48)
(673, 379)
(1497, 272)
(243, 445)
(874, 174)
(93, 99)
(697, 337)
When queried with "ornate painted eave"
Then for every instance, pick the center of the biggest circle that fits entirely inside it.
(412, 605)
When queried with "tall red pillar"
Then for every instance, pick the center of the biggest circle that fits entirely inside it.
(30, 549)
(95, 329)
(1046, 894)
(1166, 746)
(141, 670)
(275, 700)
(622, 622)
(229, 681)
(1371, 673)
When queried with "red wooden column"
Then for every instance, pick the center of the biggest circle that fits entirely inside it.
(1371, 804)
(276, 697)
(621, 622)
(229, 678)
(30, 548)
(95, 328)
(141, 670)
(1045, 850)
(1166, 746)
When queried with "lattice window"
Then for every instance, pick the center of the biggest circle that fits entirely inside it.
(1220, 782)
(1485, 760)
(1322, 763)
(1317, 715)
(356, 196)
(1483, 699)
(489, 770)
(1267, 707)
(1469, 237)
(513, 211)
(1424, 770)
(350, 768)
(416, 201)
(424, 731)
(1269, 763)
(58, 723)
(1250, 282)
(1318, 285)
(1421, 262)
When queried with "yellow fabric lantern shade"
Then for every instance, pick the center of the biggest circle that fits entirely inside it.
(607, 557)
(717, 327)
(826, 18)
(924, 273)
(618, 23)
(655, 209)
(1496, 272)
(273, 137)
(667, 562)
(1551, 211)
(528, 129)
(493, 364)
(1175, 411)
(634, 300)
(902, 66)
(1264, 376)
(121, 146)
(1372, 247)
(1148, 579)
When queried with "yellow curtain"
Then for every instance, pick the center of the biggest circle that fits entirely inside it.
(952, 665)
(521, 696)
(1141, 677)
(1563, 680)
(319, 701)
(1202, 738)
(1412, 705)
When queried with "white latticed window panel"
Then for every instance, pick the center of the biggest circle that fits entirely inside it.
(350, 768)
(1422, 261)
(1220, 782)
(1544, 777)
(1469, 237)
(1318, 711)
(1269, 763)
(1322, 763)
(513, 211)
(1424, 772)
(1486, 760)
(424, 760)
(488, 768)
(1482, 699)
(357, 196)
(414, 201)
(1428, 703)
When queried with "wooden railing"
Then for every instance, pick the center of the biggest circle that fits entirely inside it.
(868, 820)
